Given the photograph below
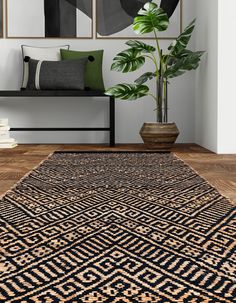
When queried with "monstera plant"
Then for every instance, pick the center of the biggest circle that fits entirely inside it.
(166, 65)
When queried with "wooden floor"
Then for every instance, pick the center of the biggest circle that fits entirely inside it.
(219, 170)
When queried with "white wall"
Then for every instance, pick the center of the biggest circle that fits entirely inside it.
(207, 75)
(215, 104)
(226, 77)
(72, 112)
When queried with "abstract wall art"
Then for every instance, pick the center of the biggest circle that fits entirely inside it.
(74, 18)
(49, 18)
(1, 19)
(115, 17)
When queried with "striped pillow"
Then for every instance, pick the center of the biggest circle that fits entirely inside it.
(39, 53)
(47, 75)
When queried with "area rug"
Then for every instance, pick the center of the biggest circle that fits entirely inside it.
(116, 227)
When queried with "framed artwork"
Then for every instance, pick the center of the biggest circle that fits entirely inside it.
(49, 19)
(114, 18)
(1, 18)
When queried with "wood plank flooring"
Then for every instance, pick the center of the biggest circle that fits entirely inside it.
(218, 170)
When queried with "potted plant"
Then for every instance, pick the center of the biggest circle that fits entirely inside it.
(152, 19)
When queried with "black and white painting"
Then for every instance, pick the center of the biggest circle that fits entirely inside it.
(49, 18)
(114, 18)
(1, 19)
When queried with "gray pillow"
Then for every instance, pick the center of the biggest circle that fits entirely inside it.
(46, 75)
(39, 53)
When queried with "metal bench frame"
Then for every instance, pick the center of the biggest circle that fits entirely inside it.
(67, 93)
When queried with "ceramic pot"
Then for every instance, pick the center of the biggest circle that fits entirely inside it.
(159, 136)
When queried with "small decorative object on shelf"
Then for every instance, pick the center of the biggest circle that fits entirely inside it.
(5, 140)
(166, 65)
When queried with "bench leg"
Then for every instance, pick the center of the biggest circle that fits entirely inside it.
(112, 121)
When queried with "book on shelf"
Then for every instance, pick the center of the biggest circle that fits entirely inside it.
(5, 140)
(4, 134)
(8, 145)
(5, 127)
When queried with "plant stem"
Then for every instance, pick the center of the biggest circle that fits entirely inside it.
(165, 101)
(158, 48)
(157, 107)
(159, 99)
(155, 62)
(160, 83)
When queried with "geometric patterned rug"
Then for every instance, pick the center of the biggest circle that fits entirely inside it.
(116, 227)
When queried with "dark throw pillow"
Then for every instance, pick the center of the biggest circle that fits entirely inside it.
(47, 75)
(93, 73)
(39, 53)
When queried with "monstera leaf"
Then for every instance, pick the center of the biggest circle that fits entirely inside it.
(171, 60)
(141, 46)
(128, 91)
(189, 61)
(182, 41)
(145, 77)
(128, 61)
(150, 18)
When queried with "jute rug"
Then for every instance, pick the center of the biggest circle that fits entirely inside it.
(116, 227)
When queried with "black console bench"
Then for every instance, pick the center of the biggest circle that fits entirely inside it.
(66, 93)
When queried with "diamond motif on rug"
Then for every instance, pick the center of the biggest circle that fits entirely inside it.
(116, 227)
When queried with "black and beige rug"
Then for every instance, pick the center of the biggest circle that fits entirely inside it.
(116, 227)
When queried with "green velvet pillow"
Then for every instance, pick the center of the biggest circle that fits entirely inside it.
(93, 71)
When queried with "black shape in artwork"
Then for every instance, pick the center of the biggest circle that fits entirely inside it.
(84, 6)
(114, 16)
(60, 18)
(169, 6)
